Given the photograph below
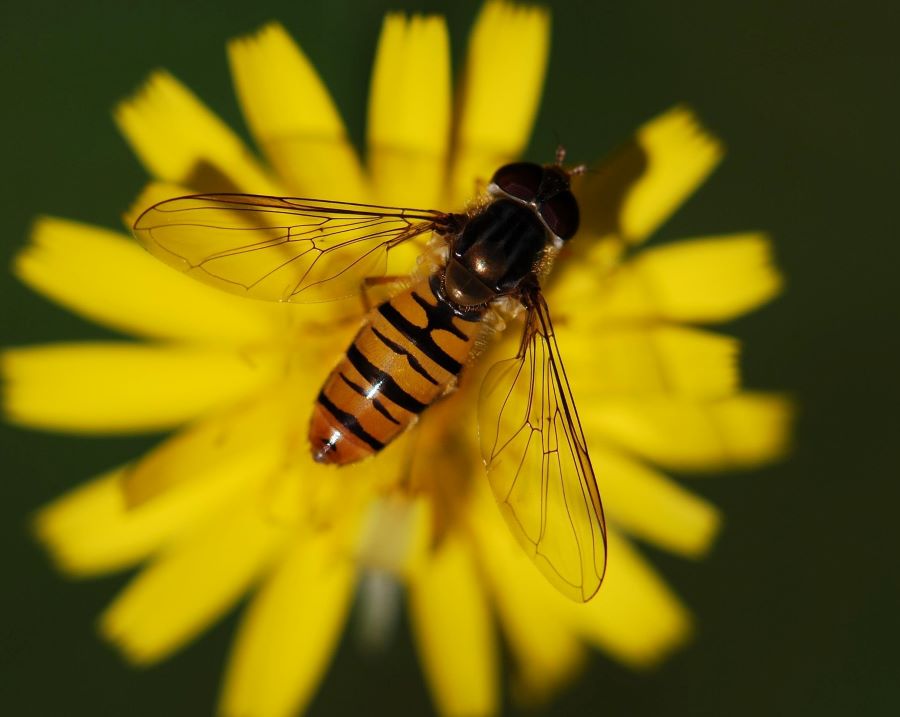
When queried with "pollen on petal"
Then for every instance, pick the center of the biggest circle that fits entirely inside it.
(180, 140)
(452, 627)
(293, 117)
(289, 632)
(111, 387)
(106, 277)
(741, 430)
(409, 111)
(193, 583)
(495, 117)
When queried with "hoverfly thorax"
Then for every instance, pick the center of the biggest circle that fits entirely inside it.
(532, 209)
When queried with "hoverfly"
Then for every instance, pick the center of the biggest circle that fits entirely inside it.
(412, 348)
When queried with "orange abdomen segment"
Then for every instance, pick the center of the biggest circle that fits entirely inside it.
(410, 352)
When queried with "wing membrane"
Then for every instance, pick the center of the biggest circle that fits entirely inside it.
(279, 248)
(537, 461)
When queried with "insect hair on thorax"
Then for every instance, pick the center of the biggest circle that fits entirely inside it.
(547, 258)
(436, 254)
(479, 202)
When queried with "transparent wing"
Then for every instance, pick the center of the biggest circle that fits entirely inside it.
(279, 248)
(537, 460)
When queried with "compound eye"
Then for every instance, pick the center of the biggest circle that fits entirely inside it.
(560, 212)
(520, 180)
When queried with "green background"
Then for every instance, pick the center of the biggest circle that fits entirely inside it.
(797, 604)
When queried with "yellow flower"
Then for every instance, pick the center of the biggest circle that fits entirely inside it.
(232, 504)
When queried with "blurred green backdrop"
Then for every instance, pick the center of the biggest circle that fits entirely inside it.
(797, 604)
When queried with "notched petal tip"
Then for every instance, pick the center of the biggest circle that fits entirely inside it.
(681, 155)
(132, 116)
(269, 32)
(293, 117)
(410, 77)
(605, 359)
(495, 118)
(180, 140)
(107, 277)
(713, 278)
(739, 431)
(710, 279)
(633, 191)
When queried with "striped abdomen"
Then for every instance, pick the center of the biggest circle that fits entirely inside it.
(408, 354)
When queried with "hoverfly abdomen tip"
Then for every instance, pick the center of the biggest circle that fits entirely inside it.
(330, 441)
(324, 452)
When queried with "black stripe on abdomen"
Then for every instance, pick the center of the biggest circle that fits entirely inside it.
(386, 385)
(421, 337)
(379, 406)
(414, 363)
(350, 422)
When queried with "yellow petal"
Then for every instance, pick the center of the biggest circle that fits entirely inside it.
(91, 530)
(447, 457)
(635, 616)
(636, 189)
(742, 430)
(321, 493)
(293, 117)
(119, 387)
(108, 278)
(547, 653)
(409, 111)
(500, 92)
(710, 279)
(180, 140)
(289, 633)
(452, 627)
(647, 359)
(192, 584)
(648, 505)
(232, 441)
